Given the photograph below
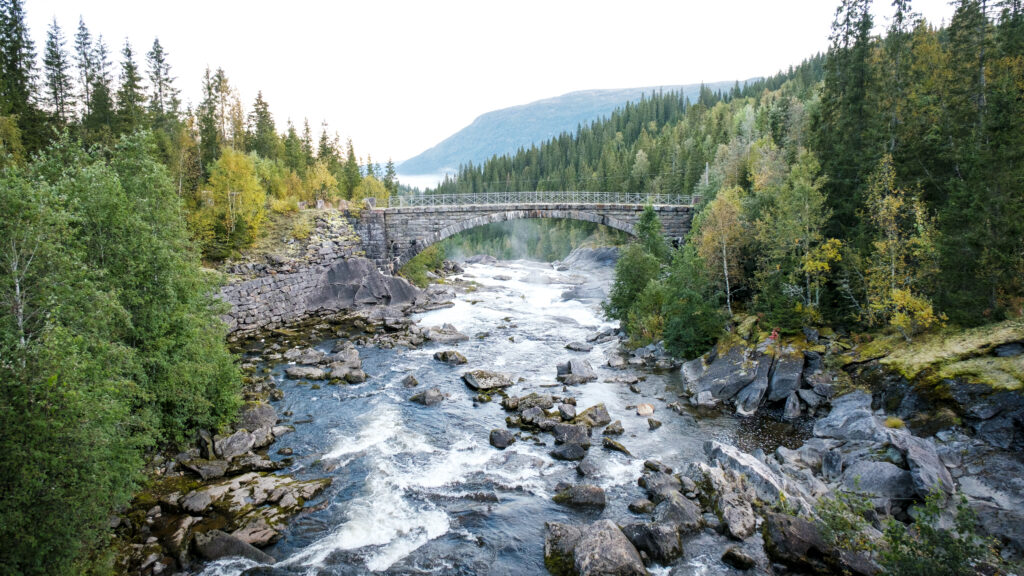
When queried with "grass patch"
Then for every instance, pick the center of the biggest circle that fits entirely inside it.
(894, 422)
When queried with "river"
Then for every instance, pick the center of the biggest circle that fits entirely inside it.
(419, 489)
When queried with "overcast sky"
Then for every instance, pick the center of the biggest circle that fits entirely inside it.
(400, 76)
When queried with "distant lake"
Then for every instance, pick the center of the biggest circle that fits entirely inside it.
(421, 181)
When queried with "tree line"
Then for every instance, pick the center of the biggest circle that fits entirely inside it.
(229, 164)
(877, 185)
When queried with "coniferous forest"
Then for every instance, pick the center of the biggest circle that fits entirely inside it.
(878, 185)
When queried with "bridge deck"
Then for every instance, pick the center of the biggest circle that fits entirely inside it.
(573, 197)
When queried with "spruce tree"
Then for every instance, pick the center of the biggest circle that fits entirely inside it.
(59, 93)
(17, 74)
(163, 98)
(131, 99)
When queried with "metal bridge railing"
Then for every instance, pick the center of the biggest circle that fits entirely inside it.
(541, 197)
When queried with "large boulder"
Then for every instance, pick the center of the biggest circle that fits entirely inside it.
(604, 550)
(786, 377)
(501, 438)
(445, 334)
(927, 471)
(749, 399)
(214, 545)
(679, 512)
(234, 445)
(882, 481)
(659, 542)
(305, 373)
(572, 434)
(851, 419)
(485, 380)
(596, 415)
(428, 397)
(450, 357)
(256, 415)
(581, 495)
(731, 500)
(575, 372)
(798, 544)
(727, 374)
(659, 484)
(559, 544)
(571, 452)
(768, 485)
(356, 282)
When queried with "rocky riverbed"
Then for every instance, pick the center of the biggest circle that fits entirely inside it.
(503, 429)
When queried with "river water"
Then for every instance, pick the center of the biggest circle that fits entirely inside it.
(419, 490)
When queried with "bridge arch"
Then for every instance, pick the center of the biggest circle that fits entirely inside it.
(421, 243)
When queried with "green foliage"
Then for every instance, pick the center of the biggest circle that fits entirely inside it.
(693, 317)
(109, 342)
(635, 268)
(842, 519)
(925, 548)
(648, 233)
(644, 320)
(429, 260)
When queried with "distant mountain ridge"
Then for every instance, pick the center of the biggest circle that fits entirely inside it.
(505, 131)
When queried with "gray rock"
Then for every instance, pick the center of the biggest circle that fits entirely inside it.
(738, 559)
(410, 381)
(305, 373)
(256, 415)
(659, 541)
(570, 452)
(749, 399)
(768, 485)
(610, 444)
(581, 495)
(572, 434)
(445, 334)
(786, 378)
(881, 481)
(832, 464)
(234, 445)
(641, 506)
(728, 373)
(576, 372)
(679, 511)
(485, 380)
(196, 501)
(214, 545)
(851, 419)
(810, 397)
(653, 424)
(450, 357)
(428, 397)
(926, 468)
(586, 467)
(579, 346)
(659, 485)
(567, 411)
(559, 544)
(792, 409)
(256, 531)
(594, 416)
(501, 438)
(603, 549)
(614, 429)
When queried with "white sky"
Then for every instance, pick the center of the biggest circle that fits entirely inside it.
(398, 76)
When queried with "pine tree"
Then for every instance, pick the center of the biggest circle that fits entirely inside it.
(163, 98)
(206, 116)
(262, 138)
(59, 93)
(17, 74)
(131, 99)
(350, 171)
(391, 178)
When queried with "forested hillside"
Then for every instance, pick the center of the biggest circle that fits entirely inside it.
(506, 130)
(878, 185)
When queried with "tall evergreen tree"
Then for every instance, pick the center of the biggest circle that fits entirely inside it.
(206, 116)
(350, 171)
(60, 88)
(131, 99)
(262, 138)
(84, 59)
(99, 121)
(17, 80)
(391, 178)
(163, 97)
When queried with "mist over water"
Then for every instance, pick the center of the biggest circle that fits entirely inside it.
(419, 489)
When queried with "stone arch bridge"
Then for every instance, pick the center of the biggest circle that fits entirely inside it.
(394, 235)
